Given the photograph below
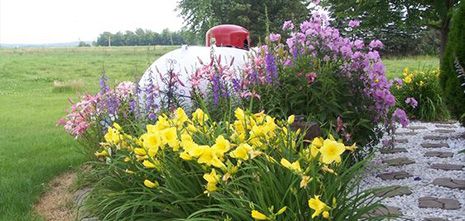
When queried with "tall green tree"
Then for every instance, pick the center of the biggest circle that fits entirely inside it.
(453, 66)
(399, 23)
(255, 15)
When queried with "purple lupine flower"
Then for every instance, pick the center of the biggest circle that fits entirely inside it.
(271, 68)
(412, 102)
(104, 87)
(354, 23)
(288, 25)
(274, 37)
(216, 88)
(400, 116)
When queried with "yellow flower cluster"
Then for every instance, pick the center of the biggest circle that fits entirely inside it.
(410, 76)
(193, 139)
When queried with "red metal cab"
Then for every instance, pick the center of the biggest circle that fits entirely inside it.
(229, 36)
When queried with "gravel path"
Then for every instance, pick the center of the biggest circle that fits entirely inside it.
(425, 172)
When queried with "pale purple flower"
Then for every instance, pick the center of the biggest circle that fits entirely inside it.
(311, 77)
(274, 37)
(288, 25)
(354, 23)
(412, 102)
(376, 44)
(400, 116)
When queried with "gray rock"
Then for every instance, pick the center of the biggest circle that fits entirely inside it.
(392, 191)
(434, 219)
(401, 141)
(434, 145)
(385, 211)
(398, 161)
(450, 183)
(417, 127)
(392, 150)
(435, 137)
(445, 166)
(439, 154)
(445, 126)
(443, 131)
(398, 175)
(409, 133)
(441, 203)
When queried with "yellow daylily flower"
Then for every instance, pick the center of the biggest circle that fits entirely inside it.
(212, 180)
(290, 119)
(331, 151)
(258, 215)
(169, 136)
(102, 153)
(151, 184)
(318, 142)
(140, 151)
(149, 165)
(200, 116)
(282, 210)
(241, 152)
(151, 141)
(181, 116)
(221, 145)
(316, 204)
(305, 181)
(295, 166)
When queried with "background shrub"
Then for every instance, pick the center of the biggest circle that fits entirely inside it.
(423, 87)
(454, 60)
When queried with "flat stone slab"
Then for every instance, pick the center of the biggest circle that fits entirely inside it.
(398, 175)
(409, 133)
(392, 150)
(435, 219)
(439, 154)
(392, 191)
(445, 126)
(434, 145)
(389, 211)
(441, 203)
(401, 140)
(417, 127)
(446, 166)
(450, 183)
(398, 161)
(443, 131)
(435, 137)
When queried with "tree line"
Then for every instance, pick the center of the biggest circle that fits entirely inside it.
(142, 37)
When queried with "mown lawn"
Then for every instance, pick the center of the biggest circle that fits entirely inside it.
(32, 148)
(395, 65)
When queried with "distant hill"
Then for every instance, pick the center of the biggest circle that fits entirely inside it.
(49, 45)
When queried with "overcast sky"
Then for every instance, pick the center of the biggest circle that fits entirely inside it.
(55, 21)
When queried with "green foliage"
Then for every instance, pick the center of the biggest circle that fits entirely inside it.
(404, 26)
(424, 87)
(144, 37)
(203, 15)
(452, 66)
(258, 180)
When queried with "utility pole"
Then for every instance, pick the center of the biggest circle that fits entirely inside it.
(109, 40)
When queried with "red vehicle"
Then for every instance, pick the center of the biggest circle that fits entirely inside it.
(229, 36)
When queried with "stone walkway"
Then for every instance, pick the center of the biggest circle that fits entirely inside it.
(424, 175)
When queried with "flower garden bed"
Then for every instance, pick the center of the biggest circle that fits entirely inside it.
(233, 149)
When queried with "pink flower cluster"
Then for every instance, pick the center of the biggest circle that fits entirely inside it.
(76, 121)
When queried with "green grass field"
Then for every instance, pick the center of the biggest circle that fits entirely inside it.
(394, 66)
(32, 148)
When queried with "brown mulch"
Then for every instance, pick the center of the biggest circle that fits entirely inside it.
(57, 203)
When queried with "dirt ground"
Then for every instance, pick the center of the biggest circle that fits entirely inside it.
(57, 203)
